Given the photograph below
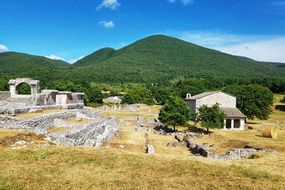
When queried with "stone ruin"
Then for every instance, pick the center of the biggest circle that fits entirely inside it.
(13, 103)
(94, 132)
(233, 154)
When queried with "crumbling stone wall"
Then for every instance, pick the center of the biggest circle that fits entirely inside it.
(95, 133)
(234, 154)
(43, 123)
(4, 95)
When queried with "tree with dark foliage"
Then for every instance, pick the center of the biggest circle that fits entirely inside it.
(211, 117)
(253, 100)
(175, 112)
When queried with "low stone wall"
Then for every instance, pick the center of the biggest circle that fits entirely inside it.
(234, 154)
(43, 123)
(94, 134)
(17, 108)
(4, 95)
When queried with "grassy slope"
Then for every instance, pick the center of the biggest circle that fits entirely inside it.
(162, 57)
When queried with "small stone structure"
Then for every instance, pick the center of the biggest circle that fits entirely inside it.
(37, 100)
(14, 83)
(114, 101)
(234, 120)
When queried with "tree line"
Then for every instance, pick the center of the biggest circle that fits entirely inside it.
(254, 97)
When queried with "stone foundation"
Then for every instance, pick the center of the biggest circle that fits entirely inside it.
(234, 154)
(4, 95)
(95, 132)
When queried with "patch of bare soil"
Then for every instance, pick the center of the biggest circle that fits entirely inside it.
(28, 137)
(58, 129)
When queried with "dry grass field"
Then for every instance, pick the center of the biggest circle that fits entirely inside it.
(123, 164)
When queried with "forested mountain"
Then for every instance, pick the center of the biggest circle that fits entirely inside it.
(96, 57)
(155, 59)
(163, 57)
(11, 62)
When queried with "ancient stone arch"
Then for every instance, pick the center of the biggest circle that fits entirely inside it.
(34, 84)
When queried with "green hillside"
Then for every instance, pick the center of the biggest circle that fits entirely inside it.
(163, 58)
(96, 57)
(156, 59)
(13, 64)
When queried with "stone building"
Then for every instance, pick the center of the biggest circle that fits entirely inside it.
(234, 118)
(45, 99)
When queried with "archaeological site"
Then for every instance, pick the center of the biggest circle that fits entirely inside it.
(89, 128)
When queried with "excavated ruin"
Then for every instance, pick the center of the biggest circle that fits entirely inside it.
(95, 132)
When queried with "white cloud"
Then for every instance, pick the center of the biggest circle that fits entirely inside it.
(54, 57)
(216, 38)
(187, 2)
(74, 60)
(258, 47)
(272, 50)
(110, 4)
(107, 24)
(71, 61)
(3, 48)
(184, 2)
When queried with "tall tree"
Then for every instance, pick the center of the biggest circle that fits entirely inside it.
(211, 117)
(175, 112)
(162, 94)
(253, 100)
(138, 94)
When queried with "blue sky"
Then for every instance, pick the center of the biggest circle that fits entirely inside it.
(70, 29)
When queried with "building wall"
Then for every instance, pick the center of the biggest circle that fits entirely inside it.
(224, 100)
(242, 124)
(192, 105)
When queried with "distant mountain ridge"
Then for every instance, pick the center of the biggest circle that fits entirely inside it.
(14, 64)
(153, 59)
(168, 57)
